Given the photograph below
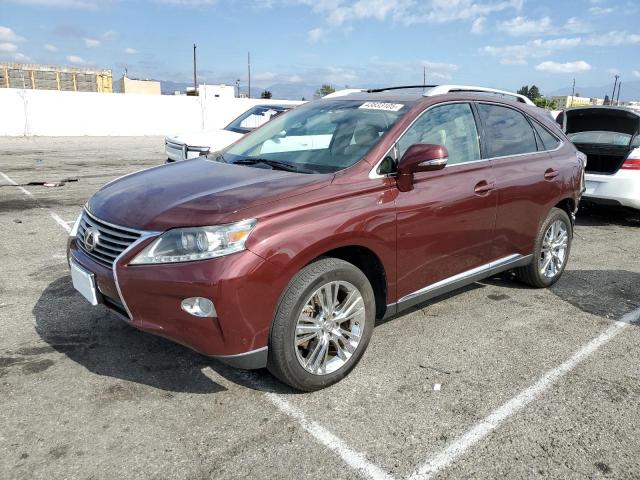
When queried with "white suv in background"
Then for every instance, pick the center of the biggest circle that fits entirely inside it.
(193, 145)
(610, 138)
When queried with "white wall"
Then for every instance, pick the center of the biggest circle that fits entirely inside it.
(54, 113)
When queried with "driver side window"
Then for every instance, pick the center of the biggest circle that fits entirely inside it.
(452, 126)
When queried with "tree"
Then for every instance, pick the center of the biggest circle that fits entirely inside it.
(325, 89)
(265, 94)
(534, 92)
(544, 102)
(607, 100)
(531, 93)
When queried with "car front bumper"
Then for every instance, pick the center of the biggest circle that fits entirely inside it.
(243, 287)
(176, 152)
(621, 188)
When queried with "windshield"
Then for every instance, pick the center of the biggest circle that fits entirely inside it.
(253, 118)
(319, 137)
(604, 138)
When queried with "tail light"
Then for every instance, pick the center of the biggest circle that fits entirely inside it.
(633, 161)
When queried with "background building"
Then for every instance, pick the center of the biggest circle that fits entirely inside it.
(48, 77)
(563, 102)
(148, 87)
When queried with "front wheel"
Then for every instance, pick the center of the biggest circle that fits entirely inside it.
(322, 325)
(551, 253)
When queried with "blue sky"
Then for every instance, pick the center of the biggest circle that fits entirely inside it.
(500, 43)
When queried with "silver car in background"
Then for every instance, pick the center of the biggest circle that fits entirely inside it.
(610, 138)
(196, 144)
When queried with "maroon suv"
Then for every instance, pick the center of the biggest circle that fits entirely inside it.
(282, 250)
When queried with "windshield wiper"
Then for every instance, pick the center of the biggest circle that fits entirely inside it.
(273, 164)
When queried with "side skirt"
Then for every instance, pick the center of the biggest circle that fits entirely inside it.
(458, 281)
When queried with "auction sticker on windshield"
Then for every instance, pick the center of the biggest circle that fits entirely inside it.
(389, 107)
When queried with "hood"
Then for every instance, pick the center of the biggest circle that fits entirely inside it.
(195, 193)
(214, 139)
(601, 119)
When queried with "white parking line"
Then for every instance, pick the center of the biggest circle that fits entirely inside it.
(53, 215)
(60, 221)
(459, 446)
(22, 189)
(355, 460)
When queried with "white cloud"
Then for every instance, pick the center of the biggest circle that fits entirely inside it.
(50, 48)
(20, 57)
(316, 35)
(8, 47)
(407, 12)
(569, 67)
(636, 73)
(130, 51)
(74, 59)
(576, 25)
(264, 76)
(109, 35)
(443, 71)
(478, 25)
(613, 71)
(188, 3)
(85, 4)
(519, 26)
(600, 10)
(92, 42)
(522, 26)
(519, 54)
(8, 35)
(613, 39)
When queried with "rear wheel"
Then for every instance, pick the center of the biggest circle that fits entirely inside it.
(322, 326)
(551, 253)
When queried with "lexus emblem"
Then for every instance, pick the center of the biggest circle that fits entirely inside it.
(91, 236)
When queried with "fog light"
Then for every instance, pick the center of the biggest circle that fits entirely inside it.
(199, 306)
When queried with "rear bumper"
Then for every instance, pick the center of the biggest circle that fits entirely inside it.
(622, 188)
(243, 287)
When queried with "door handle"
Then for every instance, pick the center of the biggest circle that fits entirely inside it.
(483, 187)
(550, 174)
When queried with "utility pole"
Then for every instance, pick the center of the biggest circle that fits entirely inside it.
(424, 77)
(613, 95)
(618, 97)
(249, 72)
(195, 77)
(573, 92)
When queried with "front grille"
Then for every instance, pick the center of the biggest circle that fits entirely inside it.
(112, 240)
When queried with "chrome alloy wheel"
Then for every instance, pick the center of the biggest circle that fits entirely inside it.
(554, 249)
(330, 327)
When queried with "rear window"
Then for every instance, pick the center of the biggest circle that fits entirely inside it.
(507, 131)
(601, 138)
(549, 142)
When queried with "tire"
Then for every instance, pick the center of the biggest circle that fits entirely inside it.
(301, 315)
(533, 274)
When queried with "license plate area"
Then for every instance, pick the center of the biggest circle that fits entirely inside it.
(84, 282)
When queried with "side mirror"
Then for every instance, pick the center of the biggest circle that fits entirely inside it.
(420, 158)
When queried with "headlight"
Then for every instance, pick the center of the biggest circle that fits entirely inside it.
(196, 243)
(76, 225)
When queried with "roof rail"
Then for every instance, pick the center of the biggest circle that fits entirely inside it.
(342, 93)
(402, 87)
(442, 89)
